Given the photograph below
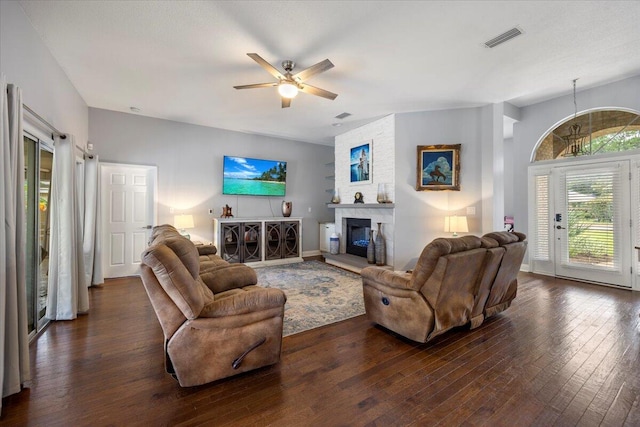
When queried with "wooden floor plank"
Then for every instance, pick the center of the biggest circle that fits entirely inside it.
(564, 353)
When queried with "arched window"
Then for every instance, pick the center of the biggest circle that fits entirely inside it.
(592, 133)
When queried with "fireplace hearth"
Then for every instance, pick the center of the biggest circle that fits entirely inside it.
(357, 236)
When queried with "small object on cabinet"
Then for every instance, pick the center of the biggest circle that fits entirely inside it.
(359, 198)
(286, 208)
(508, 224)
(226, 212)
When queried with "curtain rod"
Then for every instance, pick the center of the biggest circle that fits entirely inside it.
(44, 122)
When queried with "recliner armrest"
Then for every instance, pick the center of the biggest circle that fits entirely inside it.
(387, 277)
(230, 276)
(245, 302)
(206, 249)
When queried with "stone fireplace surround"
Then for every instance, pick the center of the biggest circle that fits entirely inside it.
(383, 213)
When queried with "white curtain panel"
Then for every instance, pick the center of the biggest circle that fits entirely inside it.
(68, 294)
(92, 253)
(14, 339)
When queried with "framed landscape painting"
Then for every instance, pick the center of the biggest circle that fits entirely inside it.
(360, 163)
(438, 167)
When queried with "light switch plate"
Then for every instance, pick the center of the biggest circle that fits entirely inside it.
(471, 210)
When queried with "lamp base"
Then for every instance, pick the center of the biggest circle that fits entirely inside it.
(184, 233)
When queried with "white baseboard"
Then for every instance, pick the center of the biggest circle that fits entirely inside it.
(311, 253)
(281, 261)
(525, 268)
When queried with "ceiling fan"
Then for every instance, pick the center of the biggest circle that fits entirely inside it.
(290, 84)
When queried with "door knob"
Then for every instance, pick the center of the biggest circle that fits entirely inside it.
(147, 227)
(559, 227)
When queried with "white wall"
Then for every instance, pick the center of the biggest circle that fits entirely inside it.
(509, 192)
(381, 134)
(46, 89)
(420, 214)
(189, 161)
(538, 119)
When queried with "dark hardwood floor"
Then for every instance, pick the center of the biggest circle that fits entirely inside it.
(564, 354)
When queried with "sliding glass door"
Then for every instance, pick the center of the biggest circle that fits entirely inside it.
(38, 156)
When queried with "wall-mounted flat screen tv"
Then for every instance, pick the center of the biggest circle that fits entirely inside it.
(254, 177)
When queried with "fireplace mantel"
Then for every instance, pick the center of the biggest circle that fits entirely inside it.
(361, 205)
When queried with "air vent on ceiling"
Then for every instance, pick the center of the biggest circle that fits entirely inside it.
(343, 116)
(506, 36)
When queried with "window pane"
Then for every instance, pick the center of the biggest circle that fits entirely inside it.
(593, 220)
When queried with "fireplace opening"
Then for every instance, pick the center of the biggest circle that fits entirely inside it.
(357, 233)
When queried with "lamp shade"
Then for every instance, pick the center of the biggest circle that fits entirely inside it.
(456, 223)
(182, 222)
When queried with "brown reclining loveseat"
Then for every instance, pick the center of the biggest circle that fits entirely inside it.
(456, 281)
(216, 322)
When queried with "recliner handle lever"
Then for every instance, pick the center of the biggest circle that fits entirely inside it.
(236, 363)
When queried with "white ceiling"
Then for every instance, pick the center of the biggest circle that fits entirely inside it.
(179, 60)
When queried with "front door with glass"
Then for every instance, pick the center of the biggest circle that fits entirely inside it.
(591, 222)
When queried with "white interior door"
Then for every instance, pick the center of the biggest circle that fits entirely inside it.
(592, 222)
(128, 213)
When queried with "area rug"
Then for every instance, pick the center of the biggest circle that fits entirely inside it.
(317, 294)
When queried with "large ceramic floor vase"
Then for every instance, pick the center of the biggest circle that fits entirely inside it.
(380, 248)
(371, 249)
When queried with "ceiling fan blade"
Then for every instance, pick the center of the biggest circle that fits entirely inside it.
(313, 70)
(264, 64)
(257, 85)
(312, 90)
(286, 102)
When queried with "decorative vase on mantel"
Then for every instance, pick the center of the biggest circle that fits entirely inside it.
(336, 197)
(382, 196)
(380, 249)
(371, 249)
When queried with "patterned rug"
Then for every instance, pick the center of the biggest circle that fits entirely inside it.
(317, 294)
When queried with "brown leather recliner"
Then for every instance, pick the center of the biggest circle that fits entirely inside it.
(456, 281)
(207, 254)
(498, 284)
(215, 325)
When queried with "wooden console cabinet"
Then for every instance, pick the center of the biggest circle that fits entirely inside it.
(259, 240)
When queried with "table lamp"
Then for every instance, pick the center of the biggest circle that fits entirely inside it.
(182, 222)
(456, 223)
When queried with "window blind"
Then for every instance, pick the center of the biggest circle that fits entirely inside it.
(591, 201)
(542, 238)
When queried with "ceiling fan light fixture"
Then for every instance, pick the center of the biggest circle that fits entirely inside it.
(287, 90)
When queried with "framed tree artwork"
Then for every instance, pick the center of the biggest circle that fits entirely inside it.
(438, 167)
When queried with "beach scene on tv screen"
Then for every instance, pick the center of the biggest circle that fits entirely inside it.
(255, 177)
